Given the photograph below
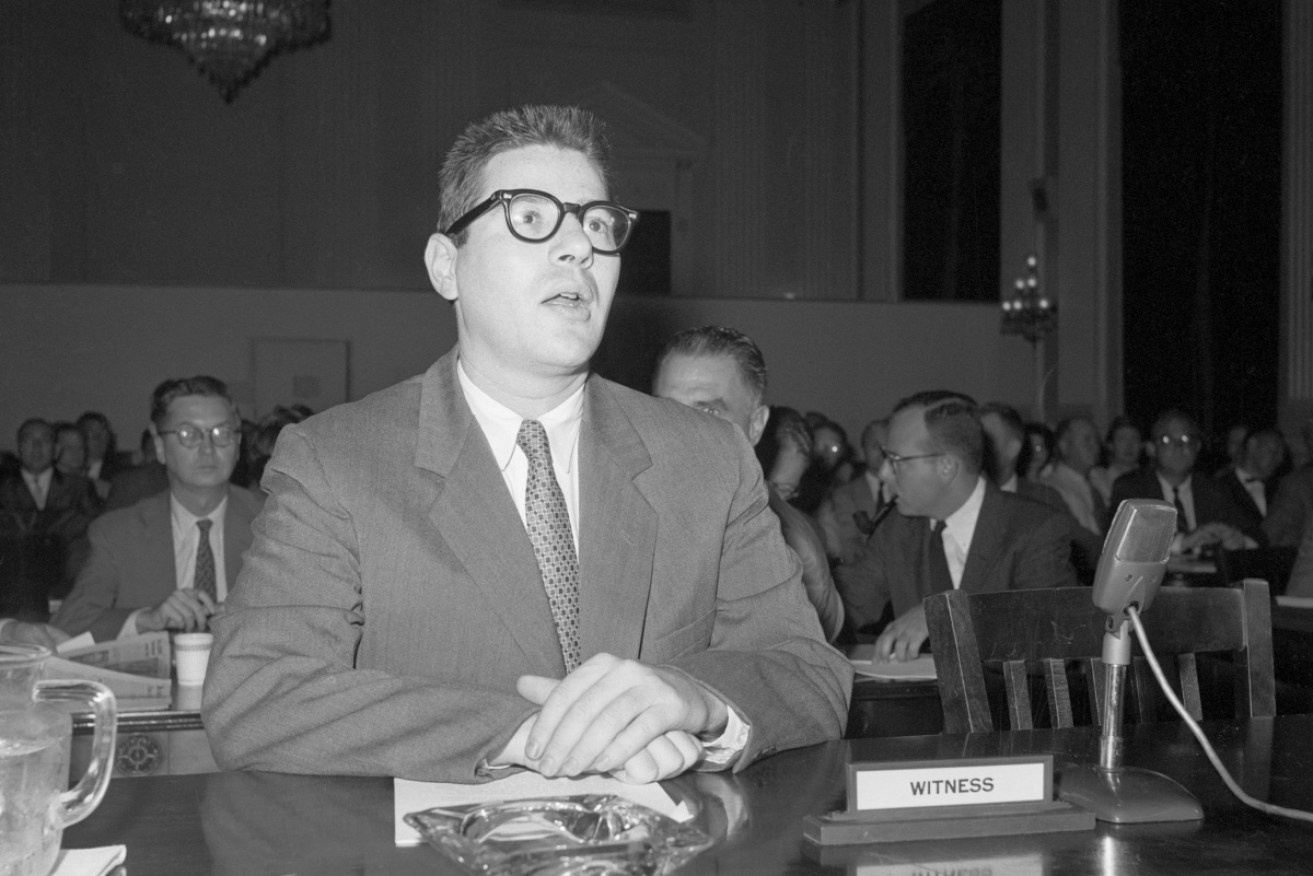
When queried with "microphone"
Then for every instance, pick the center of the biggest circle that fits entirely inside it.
(1134, 556)
(1130, 569)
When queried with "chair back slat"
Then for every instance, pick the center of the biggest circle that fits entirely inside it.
(1039, 632)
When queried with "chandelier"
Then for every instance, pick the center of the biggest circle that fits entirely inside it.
(1027, 309)
(228, 40)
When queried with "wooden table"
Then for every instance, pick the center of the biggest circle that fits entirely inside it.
(267, 823)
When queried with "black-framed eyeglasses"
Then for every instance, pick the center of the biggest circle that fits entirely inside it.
(534, 216)
(191, 435)
(1185, 442)
(895, 460)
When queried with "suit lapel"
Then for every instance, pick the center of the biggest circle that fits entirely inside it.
(986, 541)
(473, 513)
(236, 534)
(159, 556)
(617, 538)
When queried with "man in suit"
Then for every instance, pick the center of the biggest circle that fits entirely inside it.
(1205, 513)
(103, 460)
(166, 562)
(722, 371)
(42, 512)
(1005, 435)
(508, 562)
(954, 529)
(848, 515)
(1249, 484)
(1291, 511)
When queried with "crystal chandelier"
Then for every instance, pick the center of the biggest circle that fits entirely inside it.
(228, 40)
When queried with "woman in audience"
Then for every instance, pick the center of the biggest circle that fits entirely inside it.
(784, 451)
(1124, 450)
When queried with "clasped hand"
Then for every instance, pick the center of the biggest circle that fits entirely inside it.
(183, 611)
(636, 721)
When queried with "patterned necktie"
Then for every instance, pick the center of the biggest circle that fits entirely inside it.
(204, 578)
(940, 578)
(1182, 524)
(548, 522)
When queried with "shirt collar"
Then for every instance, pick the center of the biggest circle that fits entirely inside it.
(1182, 490)
(185, 521)
(1010, 485)
(501, 425)
(961, 524)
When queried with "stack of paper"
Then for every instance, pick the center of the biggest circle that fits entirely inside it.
(862, 657)
(136, 670)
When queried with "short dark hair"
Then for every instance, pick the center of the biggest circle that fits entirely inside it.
(1174, 414)
(176, 387)
(953, 421)
(869, 429)
(460, 180)
(717, 340)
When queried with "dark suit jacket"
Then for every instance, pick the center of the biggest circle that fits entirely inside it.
(1241, 498)
(1017, 544)
(131, 485)
(131, 563)
(1211, 502)
(843, 537)
(392, 599)
(35, 543)
(1288, 514)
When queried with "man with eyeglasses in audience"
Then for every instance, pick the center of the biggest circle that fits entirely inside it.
(954, 528)
(508, 562)
(1205, 515)
(167, 562)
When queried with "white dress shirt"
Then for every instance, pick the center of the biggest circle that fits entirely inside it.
(501, 426)
(186, 542)
(959, 529)
(39, 486)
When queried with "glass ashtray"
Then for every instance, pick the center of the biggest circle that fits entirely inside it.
(586, 835)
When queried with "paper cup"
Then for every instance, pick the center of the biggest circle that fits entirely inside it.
(191, 653)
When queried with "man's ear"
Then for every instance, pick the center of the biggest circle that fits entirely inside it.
(440, 258)
(757, 424)
(159, 442)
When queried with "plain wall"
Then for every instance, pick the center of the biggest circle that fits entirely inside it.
(66, 349)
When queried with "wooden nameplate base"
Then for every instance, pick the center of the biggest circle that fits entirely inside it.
(926, 800)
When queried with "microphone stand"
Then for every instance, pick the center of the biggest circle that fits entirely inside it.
(1112, 791)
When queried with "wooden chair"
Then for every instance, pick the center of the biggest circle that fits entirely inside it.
(1029, 632)
(1272, 564)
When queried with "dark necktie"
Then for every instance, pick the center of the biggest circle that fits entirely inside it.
(204, 578)
(937, 561)
(548, 521)
(1182, 524)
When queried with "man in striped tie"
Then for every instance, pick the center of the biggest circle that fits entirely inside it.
(166, 563)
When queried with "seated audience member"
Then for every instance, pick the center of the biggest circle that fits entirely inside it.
(722, 371)
(70, 450)
(1036, 459)
(784, 452)
(508, 561)
(166, 562)
(130, 485)
(103, 460)
(848, 515)
(1123, 447)
(1234, 443)
(1205, 515)
(1291, 510)
(831, 462)
(44, 511)
(1078, 450)
(1005, 435)
(1301, 575)
(1250, 484)
(953, 530)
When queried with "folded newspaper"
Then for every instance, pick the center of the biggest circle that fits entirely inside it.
(137, 670)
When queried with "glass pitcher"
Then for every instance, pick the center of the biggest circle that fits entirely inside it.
(34, 744)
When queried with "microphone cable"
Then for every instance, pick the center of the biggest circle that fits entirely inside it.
(1262, 806)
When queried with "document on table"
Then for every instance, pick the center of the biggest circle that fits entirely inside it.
(1295, 601)
(862, 657)
(410, 796)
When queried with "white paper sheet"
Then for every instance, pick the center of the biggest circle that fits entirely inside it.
(89, 862)
(862, 657)
(409, 796)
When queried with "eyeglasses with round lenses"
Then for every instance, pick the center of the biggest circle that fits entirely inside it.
(895, 460)
(191, 435)
(534, 216)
